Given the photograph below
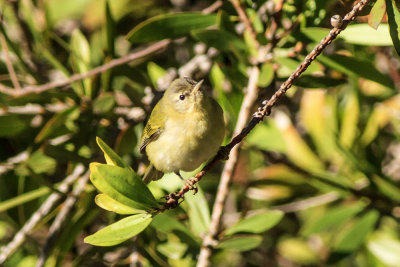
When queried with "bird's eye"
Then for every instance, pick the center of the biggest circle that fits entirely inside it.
(182, 97)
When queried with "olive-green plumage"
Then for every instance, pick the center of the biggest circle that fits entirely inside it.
(185, 129)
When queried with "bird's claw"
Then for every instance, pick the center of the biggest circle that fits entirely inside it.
(191, 183)
(223, 153)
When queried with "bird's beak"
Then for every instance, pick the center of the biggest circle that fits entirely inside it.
(197, 87)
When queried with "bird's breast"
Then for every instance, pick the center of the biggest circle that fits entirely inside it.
(185, 143)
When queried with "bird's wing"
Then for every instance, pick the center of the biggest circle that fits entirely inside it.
(153, 128)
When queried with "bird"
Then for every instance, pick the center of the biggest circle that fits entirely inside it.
(185, 129)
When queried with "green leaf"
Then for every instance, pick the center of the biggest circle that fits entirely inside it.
(363, 34)
(356, 235)
(107, 203)
(333, 219)
(266, 137)
(356, 67)
(104, 103)
(59, 124)
(385, 248)
(169, 26)
(40, 163)
(111, 157)
(393, 14)
(166, 224)
(199, 214)
(298, 251)
(11, 125)
(109, 29)
(155, 72)
(315, 34)
(120, 231)
(266, 75)
(123, 185)
(240, 243)
(256, 224)
(220, 39)
(21, 199)
(172, 250)
(81, 58)
(387, 188)
(311, 81)
(377, 13)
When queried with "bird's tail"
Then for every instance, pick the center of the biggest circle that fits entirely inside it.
(152, 174)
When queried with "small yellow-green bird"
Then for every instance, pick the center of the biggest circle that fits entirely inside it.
(185, 129)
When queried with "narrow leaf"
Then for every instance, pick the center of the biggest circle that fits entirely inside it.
(356, 235)
(120, 231)
(111, 157)
(257, 223)
(241, 243)
(377, 13)
(169, 26)
(107, 203)
(393, 14)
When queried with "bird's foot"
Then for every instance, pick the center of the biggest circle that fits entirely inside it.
(223, 153)
(191, 183)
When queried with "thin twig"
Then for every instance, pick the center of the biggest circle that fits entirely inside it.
(308, 202)
(9, 64)
(243, 17)
(228, 171)
(154, 48)
(47, 206)
(61, 218)
(265, 109)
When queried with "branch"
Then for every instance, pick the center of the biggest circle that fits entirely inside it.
(265, 109)
(243, 17)
(228, 171)
(7, 250)
(157, 47)
(154, 48)
(61, 218)
(9, 64)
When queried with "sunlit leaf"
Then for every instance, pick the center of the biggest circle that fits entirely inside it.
(199, 214)
(240, 243)
(356, 66)
(120, 231)
(356, 235)
(111, 157)
(172, 250)
(256, 224)
(377, 12)
(155, 72)
(123, 185)
(363, 34)
(385, 248)
(298, 251)
(110, 204)
(333, 218)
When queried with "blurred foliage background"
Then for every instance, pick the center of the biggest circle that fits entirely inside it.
(319, 179)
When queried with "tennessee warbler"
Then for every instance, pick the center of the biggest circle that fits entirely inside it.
(185, 129)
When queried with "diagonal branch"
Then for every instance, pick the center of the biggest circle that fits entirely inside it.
(265, 109)
(7, 250)
(227, 173)
(154, 48)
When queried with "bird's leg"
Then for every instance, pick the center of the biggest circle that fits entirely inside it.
(223, 153)
(189, 182)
